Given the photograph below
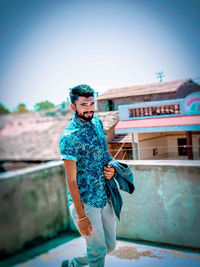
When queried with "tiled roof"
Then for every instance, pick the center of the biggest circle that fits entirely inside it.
(35, 136)
(121, 138)
(146, 89)
(109, 118)
(31, 136)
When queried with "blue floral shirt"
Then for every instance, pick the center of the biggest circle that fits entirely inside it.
(85, 143)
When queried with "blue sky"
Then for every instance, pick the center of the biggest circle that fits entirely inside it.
(48, 46)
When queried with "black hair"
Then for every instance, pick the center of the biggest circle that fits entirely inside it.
(80, 90)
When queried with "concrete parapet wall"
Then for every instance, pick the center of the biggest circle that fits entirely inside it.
(165, 205)
(33, 205)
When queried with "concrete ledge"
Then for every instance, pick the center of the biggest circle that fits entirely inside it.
(42, 166)
(192, 163)
(164, 207)
(33, 205)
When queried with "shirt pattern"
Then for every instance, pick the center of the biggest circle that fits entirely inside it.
(85, 143)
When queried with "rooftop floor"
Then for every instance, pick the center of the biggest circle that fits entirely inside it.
(53, 252)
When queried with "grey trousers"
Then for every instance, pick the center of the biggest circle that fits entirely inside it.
(103, 238)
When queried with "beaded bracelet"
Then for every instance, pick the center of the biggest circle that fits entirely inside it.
(82, 218)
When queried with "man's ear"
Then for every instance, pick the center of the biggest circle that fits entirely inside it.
(72, 107)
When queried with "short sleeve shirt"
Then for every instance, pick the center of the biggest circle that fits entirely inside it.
(85, 143)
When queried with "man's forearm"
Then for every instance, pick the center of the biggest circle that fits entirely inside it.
(75, 194)
(70, 171)
(84, 225)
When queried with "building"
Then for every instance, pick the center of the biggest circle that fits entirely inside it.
(111, 99)
(168, 129)
(144, 100)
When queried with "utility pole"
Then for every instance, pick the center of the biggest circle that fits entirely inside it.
(160, 75)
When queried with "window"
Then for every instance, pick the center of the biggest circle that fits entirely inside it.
(182, 148)
(129, 152)
(147, 98)
(199, 146)
(155, 151)
(110, 105)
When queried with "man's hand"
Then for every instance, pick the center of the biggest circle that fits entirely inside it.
(85, 227)
(109, 172)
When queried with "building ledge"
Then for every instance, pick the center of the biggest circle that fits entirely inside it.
(48, 165)
(178, 163)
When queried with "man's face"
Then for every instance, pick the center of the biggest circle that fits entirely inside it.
(84, 108)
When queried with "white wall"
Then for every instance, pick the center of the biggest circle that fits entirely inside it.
(146, 148)
(196, 144)
(172, 141)
(173, 146)
(166, 144)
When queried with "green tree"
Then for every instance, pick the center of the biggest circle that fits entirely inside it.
(63, 105)
(21, 108)
(43, 105)
(3, 109)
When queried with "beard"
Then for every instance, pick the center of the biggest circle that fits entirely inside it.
(83, 116)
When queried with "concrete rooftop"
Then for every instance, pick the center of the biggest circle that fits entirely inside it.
(125, 254)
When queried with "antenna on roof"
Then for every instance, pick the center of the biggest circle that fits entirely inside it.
(160, 75)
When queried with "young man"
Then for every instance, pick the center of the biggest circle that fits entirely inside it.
(84, 151)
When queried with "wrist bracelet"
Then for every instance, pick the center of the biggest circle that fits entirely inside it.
(82, 218)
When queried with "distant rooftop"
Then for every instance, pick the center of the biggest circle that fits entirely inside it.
(35, 136)
(121, 138)
(109, 118)
(146, 89)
